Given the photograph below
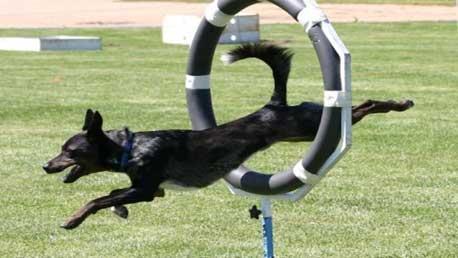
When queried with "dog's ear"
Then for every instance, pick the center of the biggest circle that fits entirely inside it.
(95, 127)
(88, 119)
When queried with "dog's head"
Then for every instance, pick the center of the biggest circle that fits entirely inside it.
(85, 151)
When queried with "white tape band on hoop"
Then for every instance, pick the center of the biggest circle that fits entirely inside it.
(336, 99)
(215, 16)
(310, 15)
(305, 176)
(197, 82)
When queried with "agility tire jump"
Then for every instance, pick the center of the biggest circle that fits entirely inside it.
(333, 138)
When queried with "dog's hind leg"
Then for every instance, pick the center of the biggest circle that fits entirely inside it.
(117, 198)
(375, 106)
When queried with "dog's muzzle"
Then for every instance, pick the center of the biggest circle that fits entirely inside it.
(51, 168)
(56, 166)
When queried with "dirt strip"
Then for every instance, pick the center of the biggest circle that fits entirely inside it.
(109, 13)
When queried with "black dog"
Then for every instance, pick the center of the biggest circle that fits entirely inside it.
(193, 158)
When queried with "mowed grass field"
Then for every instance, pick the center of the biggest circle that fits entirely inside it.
(393, 195)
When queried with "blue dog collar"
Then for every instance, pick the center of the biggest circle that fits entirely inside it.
(127, 149)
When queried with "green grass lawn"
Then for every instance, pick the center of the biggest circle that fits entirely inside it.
(415, 2)
(393, 195)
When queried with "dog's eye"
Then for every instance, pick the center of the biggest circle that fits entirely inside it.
(75, 153)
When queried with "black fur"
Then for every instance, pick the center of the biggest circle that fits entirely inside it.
(194, 158)
(277, 58)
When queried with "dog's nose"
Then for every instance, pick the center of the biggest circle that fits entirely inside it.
(46, 167)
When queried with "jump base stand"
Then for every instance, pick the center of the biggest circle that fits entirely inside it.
(267, 228)
(52, 43)
(180, 29)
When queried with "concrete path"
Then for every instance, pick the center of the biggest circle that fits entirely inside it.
(110, 13)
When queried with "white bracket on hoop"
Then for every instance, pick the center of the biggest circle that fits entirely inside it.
(215, 16)
(311, 15)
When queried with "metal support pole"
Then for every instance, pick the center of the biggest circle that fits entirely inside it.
(267, 228)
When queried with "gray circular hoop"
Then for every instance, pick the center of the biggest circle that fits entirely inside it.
(334, 134)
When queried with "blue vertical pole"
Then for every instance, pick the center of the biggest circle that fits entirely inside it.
(267, 228)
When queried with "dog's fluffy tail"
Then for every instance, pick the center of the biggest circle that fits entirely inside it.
(277, 58)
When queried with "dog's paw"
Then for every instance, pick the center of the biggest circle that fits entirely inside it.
(409, 103)
(406, 104)
(72, 223)
(78, 218)
(121, 211)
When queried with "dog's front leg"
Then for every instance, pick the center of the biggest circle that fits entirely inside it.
(117, 198)
(119, 210)
(122, 211)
